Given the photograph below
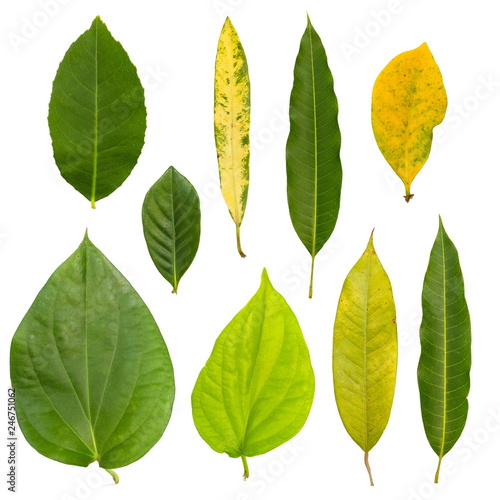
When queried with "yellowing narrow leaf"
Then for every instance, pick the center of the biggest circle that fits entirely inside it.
(232, 123)
(365, 351)
(408, 101)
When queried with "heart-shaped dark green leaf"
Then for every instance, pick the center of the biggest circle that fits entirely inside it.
(445, 338)
(257, 387)
(91, 370)
(171, 222)
(314, 170)
(97, 116)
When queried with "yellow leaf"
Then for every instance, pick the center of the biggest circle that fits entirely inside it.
(232, 123)
(365, 351)
(408, 101)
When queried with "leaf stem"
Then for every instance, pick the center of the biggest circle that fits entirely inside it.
(246, 472)
(311, 280)
(436, 477)
(367, 464)
(408, 196)
(113, 474)
(238, 241)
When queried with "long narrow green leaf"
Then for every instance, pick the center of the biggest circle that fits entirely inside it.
(171, 222)
(365, 351)
(232, 123)
(445, 338)
(91, 370)
(257, 387)
(314, 170)
(97, 116)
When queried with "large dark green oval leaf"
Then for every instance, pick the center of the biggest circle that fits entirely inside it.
(97, 116)
(91, 370)
(171, 222)
(445, 338)
(314, 170)
(257, 387)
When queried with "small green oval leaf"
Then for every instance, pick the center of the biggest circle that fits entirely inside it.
(92, 373)
(171, 222)
(232, 123)
(445, 339)
(97, 116)
(257, 387)
(365, 351)
(314, 170)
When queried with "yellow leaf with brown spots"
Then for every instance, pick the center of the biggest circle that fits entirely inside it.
(408, 101)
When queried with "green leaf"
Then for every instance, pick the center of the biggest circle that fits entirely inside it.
(257, 387)
(365, 351)
(408, 101)
(314, 170)
(97, 117)
(232, 123)
(171, 222)
(445, 338)
(92, 374)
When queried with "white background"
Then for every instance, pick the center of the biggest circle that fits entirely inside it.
(173, 44)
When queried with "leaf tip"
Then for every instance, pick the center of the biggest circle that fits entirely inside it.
(97, 20)
(227, 24)
(265, 276)
(370, 240)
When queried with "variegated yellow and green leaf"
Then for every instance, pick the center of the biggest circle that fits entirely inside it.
(408, 101)
(232, 123)
(365, 351)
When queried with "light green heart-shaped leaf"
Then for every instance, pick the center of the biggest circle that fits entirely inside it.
(365, 351)
(232, 123)
(171, 222)
(257, 387)
(445, 339)
(408, 101)
(314, 170)
(97, 116)
(90, 368)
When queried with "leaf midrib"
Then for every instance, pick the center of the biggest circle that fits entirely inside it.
(96, 124)
(443, 435)
(174, 235)
(315, 204)
(89, 417)
(365, 349)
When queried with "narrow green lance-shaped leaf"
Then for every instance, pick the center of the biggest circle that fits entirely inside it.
(445, 338)
(365, 351)
(97, 117)
(314, 170)
(92, 374)
(408, 101)
(257, 387)
(232, 123)
(171, 223)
